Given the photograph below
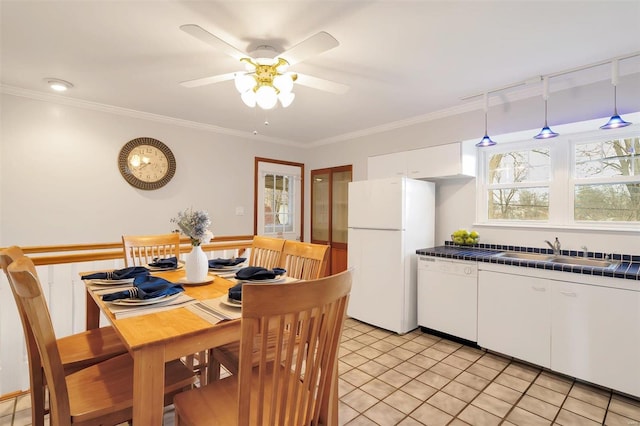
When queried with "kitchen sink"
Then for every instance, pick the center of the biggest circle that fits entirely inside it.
(581, 261)
(525, 256)
(565, 260)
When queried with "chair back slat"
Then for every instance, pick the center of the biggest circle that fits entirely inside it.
(295, 382)
(304, 261)
(140, 250)
(265, 251)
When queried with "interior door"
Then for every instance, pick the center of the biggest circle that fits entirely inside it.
(279, 199)
(329, 213)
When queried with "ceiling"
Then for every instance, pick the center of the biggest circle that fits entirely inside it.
(403, 60)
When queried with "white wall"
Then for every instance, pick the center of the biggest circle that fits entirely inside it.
(60, 183)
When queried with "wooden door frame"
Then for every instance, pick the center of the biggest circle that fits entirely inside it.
(256, 179)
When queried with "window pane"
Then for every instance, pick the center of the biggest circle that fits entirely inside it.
(610, 203)
(320, 207)
(519, 203)
(610, 158)
(340, 194)
(519, 166)
(278, 203)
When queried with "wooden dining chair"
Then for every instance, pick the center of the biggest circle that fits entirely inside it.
(77, 351)
(140, 250)
(96, 395)
(304, 261)
(265, 251)
(297, 387)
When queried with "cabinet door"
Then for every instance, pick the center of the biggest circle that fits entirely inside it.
(596, 335)
(386, 166)
(514, 316)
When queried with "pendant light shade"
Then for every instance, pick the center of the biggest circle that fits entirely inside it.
(546, 132)
(615, 121)
(486, 140)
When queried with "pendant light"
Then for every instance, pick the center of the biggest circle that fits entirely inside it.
(546, 132)
(486, 140)
(615, 121)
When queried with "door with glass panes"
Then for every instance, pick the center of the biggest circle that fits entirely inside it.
(329, 207)
(279, 199)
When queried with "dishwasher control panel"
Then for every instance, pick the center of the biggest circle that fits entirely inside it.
(454, 267)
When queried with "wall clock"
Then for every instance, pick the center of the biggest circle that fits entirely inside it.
(146, 163)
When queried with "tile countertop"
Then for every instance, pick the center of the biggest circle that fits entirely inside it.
(628, 268)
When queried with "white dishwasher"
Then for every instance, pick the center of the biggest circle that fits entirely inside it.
(448, 296)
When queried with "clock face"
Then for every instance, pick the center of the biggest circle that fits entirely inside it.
(146, 163)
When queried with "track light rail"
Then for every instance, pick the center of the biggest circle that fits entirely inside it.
(537, 79)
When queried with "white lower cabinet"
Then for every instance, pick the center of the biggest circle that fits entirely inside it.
(589, 330)
(595, 335)
(514, 316)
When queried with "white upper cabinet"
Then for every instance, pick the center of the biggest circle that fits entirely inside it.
(388, 165)
(441, 161)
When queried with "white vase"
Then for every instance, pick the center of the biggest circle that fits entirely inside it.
(197, 265)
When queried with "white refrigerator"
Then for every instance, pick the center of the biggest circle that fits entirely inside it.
(388, 220)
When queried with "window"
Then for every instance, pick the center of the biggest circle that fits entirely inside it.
(585, 179)
(518, 184)
(607, 180)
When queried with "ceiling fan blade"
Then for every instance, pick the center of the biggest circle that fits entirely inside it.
(314, 45)
(208, 80)
(211, 40)
(321, 84)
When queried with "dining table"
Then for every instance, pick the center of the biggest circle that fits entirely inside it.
(157, 337)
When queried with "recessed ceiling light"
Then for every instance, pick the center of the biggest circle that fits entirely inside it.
(58, 85)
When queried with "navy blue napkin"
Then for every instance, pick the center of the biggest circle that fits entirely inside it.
(235, 292)
(258, 273)
(219, 263)
(118, 274)
(167, 263)
(146, 287)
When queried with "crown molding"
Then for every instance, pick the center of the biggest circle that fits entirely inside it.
(110, 109)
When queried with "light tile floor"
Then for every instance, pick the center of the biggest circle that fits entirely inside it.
(422, 379)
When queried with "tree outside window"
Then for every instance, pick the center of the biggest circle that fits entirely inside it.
(607, 180)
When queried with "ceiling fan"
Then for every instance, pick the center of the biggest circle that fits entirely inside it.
(265, 80)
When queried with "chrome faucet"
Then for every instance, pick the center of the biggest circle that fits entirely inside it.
(555, 246)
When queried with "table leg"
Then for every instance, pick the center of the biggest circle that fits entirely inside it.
(148, 385)
(92, 319)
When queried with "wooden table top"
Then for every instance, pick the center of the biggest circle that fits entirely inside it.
(178, 323)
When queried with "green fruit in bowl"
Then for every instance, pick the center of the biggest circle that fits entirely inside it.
(464, 237)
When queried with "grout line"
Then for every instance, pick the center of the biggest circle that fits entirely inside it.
(504, 419)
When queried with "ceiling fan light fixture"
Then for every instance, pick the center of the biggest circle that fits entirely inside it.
(244, 82)
(286, 99)
(283, 82)
(249, 98)
(266, 97)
